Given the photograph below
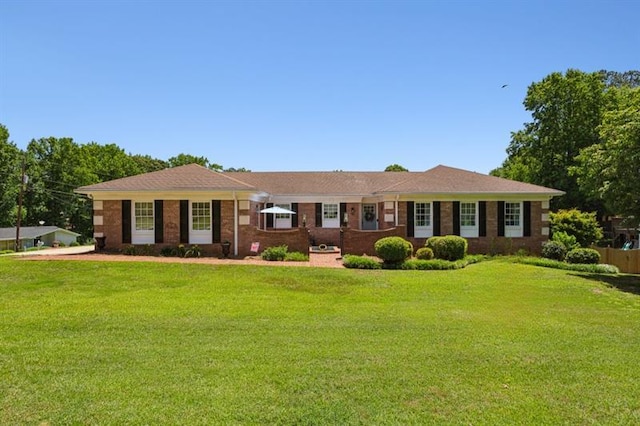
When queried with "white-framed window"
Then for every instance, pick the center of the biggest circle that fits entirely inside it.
(423, 224)
(200, 222)
(283, 220)
(330, 215)
(143, 223)
(513, 219)
(469, 220)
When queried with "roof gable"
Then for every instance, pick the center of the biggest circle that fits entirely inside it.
(192, 177)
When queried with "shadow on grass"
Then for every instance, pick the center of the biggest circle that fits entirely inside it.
(623, 282)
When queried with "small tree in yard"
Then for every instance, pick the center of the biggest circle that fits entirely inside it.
(582, 225)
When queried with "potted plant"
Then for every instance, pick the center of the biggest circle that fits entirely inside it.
(226, 248)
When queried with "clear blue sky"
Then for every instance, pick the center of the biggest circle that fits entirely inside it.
(298, 85)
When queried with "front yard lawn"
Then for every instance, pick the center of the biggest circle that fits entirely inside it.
(154, 343)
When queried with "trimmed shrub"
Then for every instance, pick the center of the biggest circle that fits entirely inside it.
(449, 247)
(584, 256)
(360, 262)
(424, 253)
(168, 252)
(74, 244)
(429, 265)
(130, 250)
(275, 253)
(296, 256)
(569, 241)
(554, 250)
(393, 249)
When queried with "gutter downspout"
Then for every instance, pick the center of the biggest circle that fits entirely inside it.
(396, 212)
(235, 224)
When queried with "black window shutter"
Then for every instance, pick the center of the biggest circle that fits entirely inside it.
(158, 221)
(126, 221)
(527, 218)
(500, 218)
(294, 217)
(270, 216)
(319, 215)
(436, 218)
(343, 210)
(456, 218)
(216, 207)
(184, 221)
(410, 219)
(482, 218)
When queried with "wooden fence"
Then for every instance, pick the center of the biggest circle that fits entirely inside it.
(628, 261)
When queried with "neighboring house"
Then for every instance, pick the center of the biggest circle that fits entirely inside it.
(194, 205)
(30, 235)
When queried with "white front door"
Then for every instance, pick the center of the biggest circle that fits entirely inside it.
(282, 220)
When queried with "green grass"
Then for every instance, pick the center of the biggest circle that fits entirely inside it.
(152, 343)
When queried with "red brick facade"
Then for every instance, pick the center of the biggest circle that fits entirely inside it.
(250, 228)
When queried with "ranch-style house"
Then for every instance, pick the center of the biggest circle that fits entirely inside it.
(194, 205)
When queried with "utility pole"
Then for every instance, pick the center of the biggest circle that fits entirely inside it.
(23, 181)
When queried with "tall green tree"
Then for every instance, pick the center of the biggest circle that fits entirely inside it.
(611, 169)
(146, 163)
(184, 159)
(107, 162)
(395, 168)
(566, 111)
(55, 167)
(9, 178)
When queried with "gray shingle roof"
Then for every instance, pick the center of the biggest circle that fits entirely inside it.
(31, 232)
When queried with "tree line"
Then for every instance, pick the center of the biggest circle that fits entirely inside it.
(54, 167)
(584, 139)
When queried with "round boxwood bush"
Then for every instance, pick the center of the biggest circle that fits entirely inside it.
(583, 255)
(393, 249)
(449, 247)
(554, 250)
(424, 253)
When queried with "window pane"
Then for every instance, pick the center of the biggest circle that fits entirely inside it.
(512, 214)
(422, 214)
(144, 216)
(467, 214)
(330, 211)
(283, 215)
(201, 216)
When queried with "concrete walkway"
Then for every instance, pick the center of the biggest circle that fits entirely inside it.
(56, 251)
